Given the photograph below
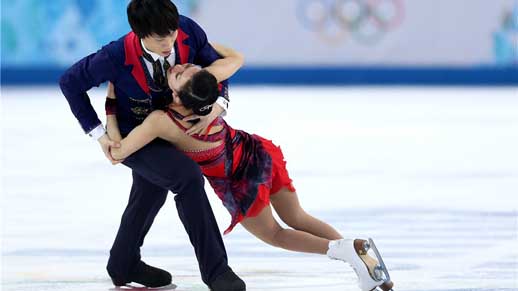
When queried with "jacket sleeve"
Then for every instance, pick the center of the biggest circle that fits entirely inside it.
(206, 55)
(91, 71)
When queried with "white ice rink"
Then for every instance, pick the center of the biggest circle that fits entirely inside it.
(430, 173)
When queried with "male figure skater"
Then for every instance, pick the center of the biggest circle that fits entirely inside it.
(136, 65)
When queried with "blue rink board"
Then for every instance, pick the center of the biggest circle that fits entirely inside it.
(490, 76)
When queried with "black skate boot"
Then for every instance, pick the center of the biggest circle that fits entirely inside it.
(148, 276)
(228, 281)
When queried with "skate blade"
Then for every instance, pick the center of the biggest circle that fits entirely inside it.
(387, 284)
(382, 265)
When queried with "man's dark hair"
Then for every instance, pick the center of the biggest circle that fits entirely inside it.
(152, 16)
(200, 93)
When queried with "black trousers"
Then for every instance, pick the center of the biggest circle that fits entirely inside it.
(158, 168)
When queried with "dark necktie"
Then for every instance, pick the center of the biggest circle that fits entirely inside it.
(158, 70)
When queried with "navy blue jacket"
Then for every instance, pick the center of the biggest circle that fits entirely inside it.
(121, 62)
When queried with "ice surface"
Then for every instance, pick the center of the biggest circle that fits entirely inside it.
(430, 173)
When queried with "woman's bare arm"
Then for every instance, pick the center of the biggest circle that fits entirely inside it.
(153, 126)
(224, 68)
(112, 126)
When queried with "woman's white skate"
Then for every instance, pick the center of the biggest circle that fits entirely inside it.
(372, 273)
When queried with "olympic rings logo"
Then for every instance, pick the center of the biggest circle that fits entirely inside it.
(367, 21)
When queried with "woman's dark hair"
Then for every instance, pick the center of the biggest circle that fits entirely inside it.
(152, 16)
(200, 93)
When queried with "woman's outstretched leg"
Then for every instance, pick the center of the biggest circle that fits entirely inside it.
(265, 227)
(286, 204)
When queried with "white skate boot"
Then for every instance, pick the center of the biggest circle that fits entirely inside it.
(371, 273)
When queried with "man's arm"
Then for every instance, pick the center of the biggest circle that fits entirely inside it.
(91, 71)
(77, 80)
(205, 56)
(224, 68)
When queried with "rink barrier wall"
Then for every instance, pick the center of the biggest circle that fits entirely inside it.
(254, 75)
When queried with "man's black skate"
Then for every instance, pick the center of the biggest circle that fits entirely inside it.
(228, 281)
(148, 276)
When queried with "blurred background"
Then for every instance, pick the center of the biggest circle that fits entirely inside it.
(291, 41)
(398, 120)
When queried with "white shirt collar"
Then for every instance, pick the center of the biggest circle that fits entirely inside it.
(155, 56)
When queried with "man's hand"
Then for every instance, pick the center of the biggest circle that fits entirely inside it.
(106, 145)
(201, 126)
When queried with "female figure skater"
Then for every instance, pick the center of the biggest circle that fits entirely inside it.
(247, 172)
